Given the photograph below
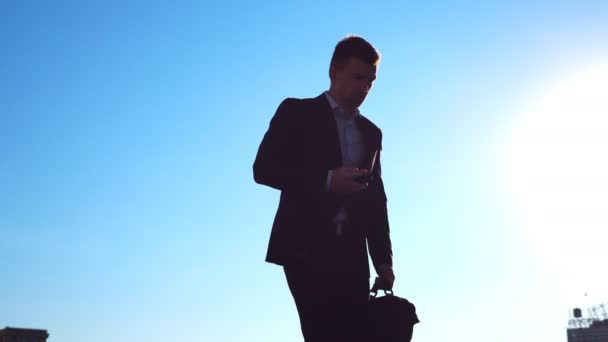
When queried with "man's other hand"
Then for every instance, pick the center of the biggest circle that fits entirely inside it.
(343, 180)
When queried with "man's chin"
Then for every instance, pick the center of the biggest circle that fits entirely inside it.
(358, 101)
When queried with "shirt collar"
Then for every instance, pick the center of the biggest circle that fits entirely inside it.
(338, 111)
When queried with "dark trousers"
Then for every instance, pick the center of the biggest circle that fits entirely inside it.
(332, 306)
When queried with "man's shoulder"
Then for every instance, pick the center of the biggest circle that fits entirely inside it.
(299, 109)
(363, 119)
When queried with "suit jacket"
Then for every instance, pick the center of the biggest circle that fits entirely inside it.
(295, 155)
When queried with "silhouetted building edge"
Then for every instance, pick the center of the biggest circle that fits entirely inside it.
(10, 334)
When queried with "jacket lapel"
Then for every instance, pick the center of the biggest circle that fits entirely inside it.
(329, 132)
(370, 140)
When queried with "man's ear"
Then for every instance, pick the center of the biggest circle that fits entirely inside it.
(334, 68)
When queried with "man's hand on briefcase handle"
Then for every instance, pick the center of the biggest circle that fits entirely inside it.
(385, 278)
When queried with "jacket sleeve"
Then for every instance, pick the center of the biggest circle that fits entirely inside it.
(378, 235)
(279, 162)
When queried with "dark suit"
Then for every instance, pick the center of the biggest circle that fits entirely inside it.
(296, 153)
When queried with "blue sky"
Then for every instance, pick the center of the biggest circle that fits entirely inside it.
(128, 209)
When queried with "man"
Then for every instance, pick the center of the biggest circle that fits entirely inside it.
(324, 157)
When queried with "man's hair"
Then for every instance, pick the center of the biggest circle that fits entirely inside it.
(354, 46)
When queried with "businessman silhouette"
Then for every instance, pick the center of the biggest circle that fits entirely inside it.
(324, 157)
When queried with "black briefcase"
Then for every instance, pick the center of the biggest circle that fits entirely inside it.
(390, 318)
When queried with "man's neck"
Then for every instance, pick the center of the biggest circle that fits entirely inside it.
(348, 111)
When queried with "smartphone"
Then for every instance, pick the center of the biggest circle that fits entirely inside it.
(370, 169)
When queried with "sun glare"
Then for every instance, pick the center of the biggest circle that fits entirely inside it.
(557, 169)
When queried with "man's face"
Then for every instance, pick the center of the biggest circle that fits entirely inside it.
(351, 81)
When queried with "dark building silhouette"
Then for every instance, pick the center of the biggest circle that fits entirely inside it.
(596, 332)
(9, 334)
(592, 327)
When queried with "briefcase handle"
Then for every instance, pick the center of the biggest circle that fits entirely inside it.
(374, 291)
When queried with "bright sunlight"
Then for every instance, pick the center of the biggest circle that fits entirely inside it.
(557, 169)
